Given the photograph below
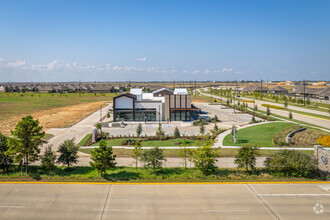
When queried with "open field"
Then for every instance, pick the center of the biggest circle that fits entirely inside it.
(52, 110)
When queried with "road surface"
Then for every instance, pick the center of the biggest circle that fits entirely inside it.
(164, 201)
(304, 118)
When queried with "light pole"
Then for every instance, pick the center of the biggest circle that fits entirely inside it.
(101, 118)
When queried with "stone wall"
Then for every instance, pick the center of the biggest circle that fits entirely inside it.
(323, 158)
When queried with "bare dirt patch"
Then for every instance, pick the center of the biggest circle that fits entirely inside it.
(56, 117)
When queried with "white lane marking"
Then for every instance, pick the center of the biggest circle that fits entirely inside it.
(225, 210)
(12, 206)
(293, 194)
(325, 187)
(117, 210)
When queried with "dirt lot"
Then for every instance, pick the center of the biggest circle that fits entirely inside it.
(56, 117)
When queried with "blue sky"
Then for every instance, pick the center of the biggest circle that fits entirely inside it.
(164, 40)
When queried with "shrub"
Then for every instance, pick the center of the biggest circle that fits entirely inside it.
(268, 111)
(139, 130)
(253, 120)
(324, 141)
(291, 163)
(290, 115)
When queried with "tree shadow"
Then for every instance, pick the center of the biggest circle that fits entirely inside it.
(242, 141)
(121, 176)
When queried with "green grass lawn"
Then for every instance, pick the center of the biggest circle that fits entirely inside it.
(128, 174)
(260, 135)
(82, 142)
(152, 143)
(12, 104)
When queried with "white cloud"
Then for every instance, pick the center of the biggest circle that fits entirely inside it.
(17, 63)
(51, 65)
(206, 71)
(227, 70)
(141, 59)
(195, 71)
(116, 68)
(314, 72)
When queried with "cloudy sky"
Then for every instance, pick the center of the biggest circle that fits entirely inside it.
(119, 40)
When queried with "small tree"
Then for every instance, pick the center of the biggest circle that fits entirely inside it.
(201, 126)
(5, 160)
(268, 111)
(160, 133)
(227, 103)
(290, 115)
(153, 158)
(99, 127)
(215, 128)
(103, 157)
(48, 160)
(205, 157)
(216, 118)
(255, 108)
(176, 133)
(253, 120)
(246, 157)
(285, 104)
(26, 138)
(68, 153)
(139, 130)
(137, 152)
(308, 101)
(108, 115)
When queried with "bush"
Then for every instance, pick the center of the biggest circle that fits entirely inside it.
(291, 163)
(324, 141)
(290, 115)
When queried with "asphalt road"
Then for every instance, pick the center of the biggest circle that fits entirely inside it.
(304, 118)
(169, 201)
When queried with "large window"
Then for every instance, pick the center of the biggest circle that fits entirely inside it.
(126, 116)
(148, 116)
(180, 115)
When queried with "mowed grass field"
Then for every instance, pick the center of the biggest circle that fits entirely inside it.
(259, 135)
(13, 106)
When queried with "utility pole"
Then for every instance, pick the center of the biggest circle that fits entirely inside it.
(195, 88)
(211, 92)
(79, 89)
(101, 118)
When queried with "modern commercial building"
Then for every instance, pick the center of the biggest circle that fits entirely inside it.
(160, 105)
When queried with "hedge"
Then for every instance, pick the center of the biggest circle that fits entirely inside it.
(272, 106)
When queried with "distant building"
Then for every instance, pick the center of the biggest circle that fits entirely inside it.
(279, 90)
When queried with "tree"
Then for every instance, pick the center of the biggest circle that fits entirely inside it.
(25, 140)
(290, 115)
(308, 101)
(227, 102)
(153, 158)
(253, 120)
(108, 115)
(137, 152)
(268, 111)
(103, 157)
(48, 159)
(176, 133)
(276, 98)
(246, 157)
(160, 133)
(216, 118)
(139, 130)
(68, 153)
(5, 160)
(201, 126)
(183, 152)
(285, 104)
(204, 158)
(99, 127)
(215, 128)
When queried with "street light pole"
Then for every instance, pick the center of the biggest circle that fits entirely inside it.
(101, 118)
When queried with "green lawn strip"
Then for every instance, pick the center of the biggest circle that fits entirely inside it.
(152, 143)
(259, 135)
(83, 141)
(310, 114)
(224, 152)
(293, 120)
(294, 104)
(128, 174)
(47, 136)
